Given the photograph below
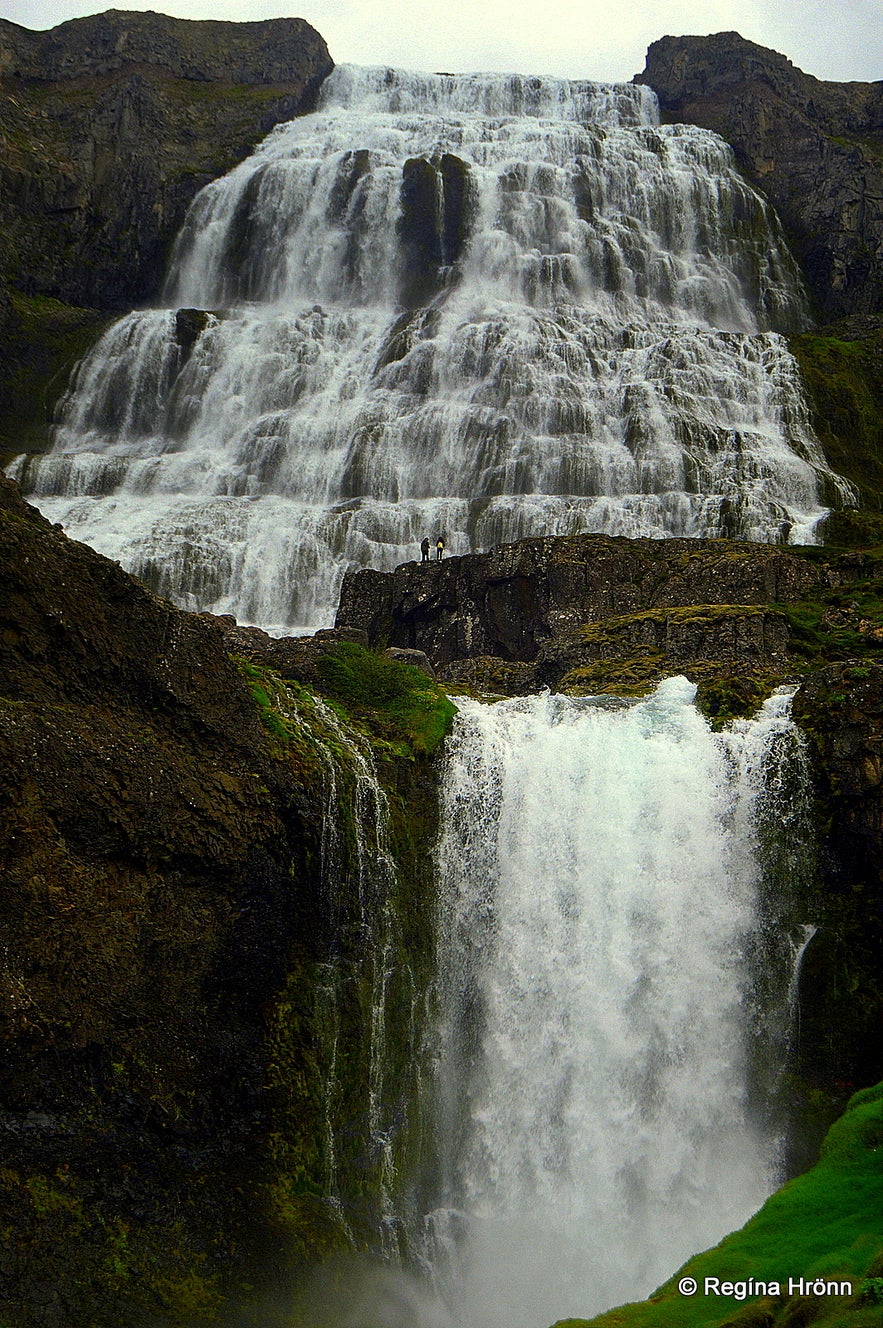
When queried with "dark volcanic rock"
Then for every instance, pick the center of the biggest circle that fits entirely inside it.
(155, 879)
(163, 914)
(537, 601)
(438, 202)
(840, 708)
(814, 148)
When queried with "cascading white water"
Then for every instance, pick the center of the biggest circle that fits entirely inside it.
(601, 900)
(600, 350)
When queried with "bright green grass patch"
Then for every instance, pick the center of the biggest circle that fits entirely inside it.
(399, 704)
(825, 1224)
(412, 706)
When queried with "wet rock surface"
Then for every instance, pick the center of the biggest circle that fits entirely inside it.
(560, 604)
(840, 709)
(162, 913)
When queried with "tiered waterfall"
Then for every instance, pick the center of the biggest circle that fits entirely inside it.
(481, 307)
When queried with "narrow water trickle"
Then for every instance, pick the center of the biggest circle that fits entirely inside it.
(602, 898)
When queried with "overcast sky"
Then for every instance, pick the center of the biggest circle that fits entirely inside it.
(600, 39)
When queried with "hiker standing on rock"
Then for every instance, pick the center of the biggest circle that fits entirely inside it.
(439, 548)
(424, 549)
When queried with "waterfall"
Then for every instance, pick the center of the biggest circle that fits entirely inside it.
(602, 895)
(482, 306)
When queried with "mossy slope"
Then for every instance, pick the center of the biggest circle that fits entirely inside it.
(842, 370)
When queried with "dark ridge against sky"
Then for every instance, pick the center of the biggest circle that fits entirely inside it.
(595, 39)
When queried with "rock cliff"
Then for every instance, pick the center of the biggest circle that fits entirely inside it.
(814, 148)
(110, 124)
(166, 838)
(550, 610)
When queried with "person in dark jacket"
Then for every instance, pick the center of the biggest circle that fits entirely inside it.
(424, 549)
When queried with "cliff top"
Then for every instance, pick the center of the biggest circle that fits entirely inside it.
(684, 69)
(814, 148)
(264, 52)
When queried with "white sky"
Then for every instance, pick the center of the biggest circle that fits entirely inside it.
(597, 39)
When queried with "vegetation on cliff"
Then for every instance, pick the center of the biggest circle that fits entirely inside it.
(43, 340)
(842, 370)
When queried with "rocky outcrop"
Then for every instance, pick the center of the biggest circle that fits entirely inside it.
(110, 124)
(814, 148)
(566, 605)
(439, 199)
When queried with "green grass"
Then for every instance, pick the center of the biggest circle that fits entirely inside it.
(398, 704)
(825, 1224)
(406, 701)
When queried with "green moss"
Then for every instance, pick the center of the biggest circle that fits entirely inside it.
(406, 703)
(400, 705)
(726, 695)
(628, 669)
(146, 1270)
(844, 383)
(825, 1224)
(843, 625)
(326, 1173)
(612, 627)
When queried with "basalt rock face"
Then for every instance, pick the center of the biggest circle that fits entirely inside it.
(110, 125)
(840, 709)
(814, 148)
(560, 605)
(155, 879)
(163, 918)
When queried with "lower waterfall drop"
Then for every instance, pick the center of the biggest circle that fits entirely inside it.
(601, 898)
